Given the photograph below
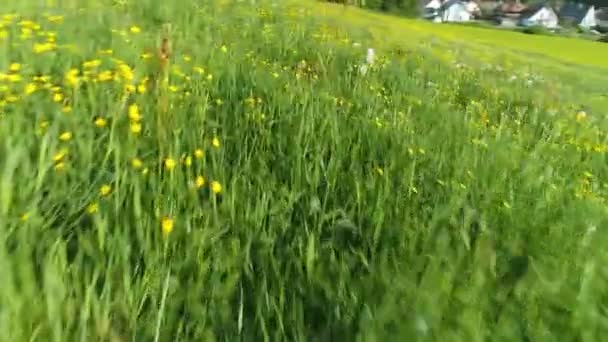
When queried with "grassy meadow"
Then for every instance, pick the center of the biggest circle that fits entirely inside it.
(222, 171)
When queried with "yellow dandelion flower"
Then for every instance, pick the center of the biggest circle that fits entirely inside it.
(170, 164)
(13, 78)
(198, 153)
(146, 55)
(125, 72)
(30, 88)
(66, 109)
(135, 128)
(141, 88)
(55, 18)
(92, 208)
(57, 97)
(24, 217)
(188, 161)
(136, 163)
(199, 181)
(101, 122)
(91, 64)
(60, 155)
(130, 88)
(134, 29)
(105, 76)
(43, 47)
(71, 77)
(581, 115)
(215, 142)
(65, 136)
(134, 113)
(216, 187)
(199, 70)
(105, 190)
(224, 49)
(60, 166)
(14, 67)
(166, 225)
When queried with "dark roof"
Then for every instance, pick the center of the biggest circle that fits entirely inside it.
(576, 11)
(532, 9)
(602, 14)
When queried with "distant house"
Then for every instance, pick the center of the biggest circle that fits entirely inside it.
(451, 10)
(578, 14)
(539, 15)
(601, 18)
(431, 10)
(509, 14)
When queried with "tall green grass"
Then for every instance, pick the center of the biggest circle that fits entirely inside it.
(422, 200)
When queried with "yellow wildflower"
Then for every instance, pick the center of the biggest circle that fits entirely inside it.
(101, 122)
(125, 72)
(13, 78)
(170, 164)
(105, 190)
(136, 163)
(60, 166)
(134, 113)
(91, 64)
(200, 182)
(71, 77)
(198, 153)
(188, 161)
(43, 47)
(129, 88)
(135, 29)
(216, 187)
(60, 155)
(30, 88)
(14, 67)
(25, 216)
(105, 75)
(167, 225)
(215, 142)
(581, 115)
(92, 208)
(57, 97)
(135, 128)
(65, 136)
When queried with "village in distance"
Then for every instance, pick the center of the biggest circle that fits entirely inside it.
(583, 20)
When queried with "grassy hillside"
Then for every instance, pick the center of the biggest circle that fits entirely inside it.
(200, 171)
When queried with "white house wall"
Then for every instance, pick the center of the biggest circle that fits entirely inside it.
(545, 17)
(456, 13)
(589, 19)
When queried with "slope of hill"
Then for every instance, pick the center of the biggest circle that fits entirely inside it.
(234, 170)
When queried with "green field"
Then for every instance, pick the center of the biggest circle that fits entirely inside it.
(217, 170)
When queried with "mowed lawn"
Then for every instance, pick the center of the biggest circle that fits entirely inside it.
(569, 50)
(577, 68)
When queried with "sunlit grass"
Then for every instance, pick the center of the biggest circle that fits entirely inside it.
(221, 171)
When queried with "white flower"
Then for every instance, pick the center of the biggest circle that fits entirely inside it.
(370, 56)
